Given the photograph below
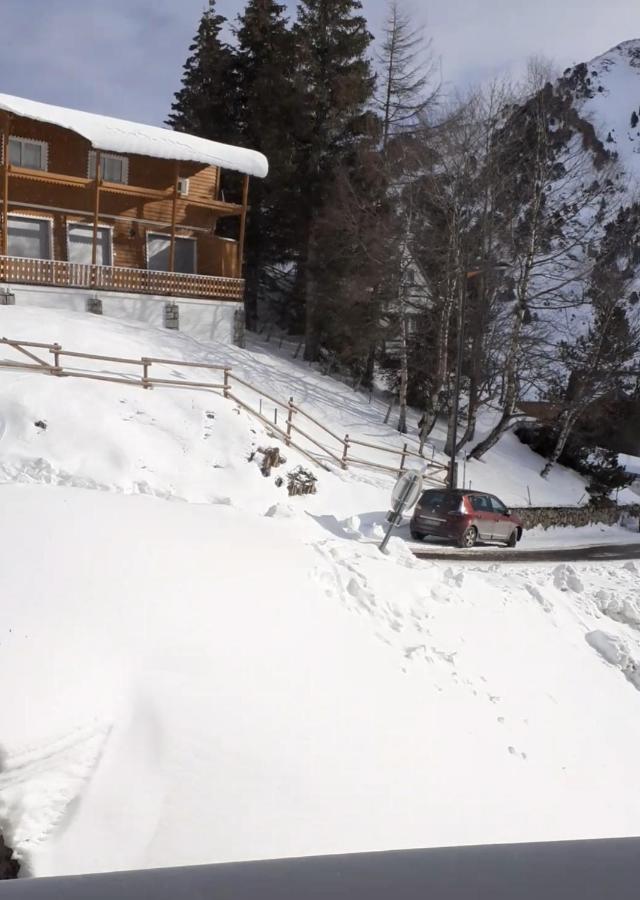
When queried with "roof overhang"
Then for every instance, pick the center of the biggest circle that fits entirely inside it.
(120, 136)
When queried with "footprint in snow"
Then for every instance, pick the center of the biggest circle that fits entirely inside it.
(566, 579)
(537, 595)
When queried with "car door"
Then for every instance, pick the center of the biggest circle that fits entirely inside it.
(502, 524)
(482, 515)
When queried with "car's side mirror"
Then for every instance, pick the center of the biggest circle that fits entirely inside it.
(507, 512)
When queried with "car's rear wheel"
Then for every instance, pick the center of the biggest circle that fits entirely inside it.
(416, 535)
(513, 538)
(468, 537)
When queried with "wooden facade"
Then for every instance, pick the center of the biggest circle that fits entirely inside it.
(109, 235)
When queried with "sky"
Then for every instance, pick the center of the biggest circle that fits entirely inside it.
(125, 57)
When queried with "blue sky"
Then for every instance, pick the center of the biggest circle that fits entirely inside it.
(124, 57)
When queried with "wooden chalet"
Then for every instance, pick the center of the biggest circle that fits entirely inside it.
(93, 203)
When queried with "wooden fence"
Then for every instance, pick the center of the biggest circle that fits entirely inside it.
(330, 449)
(59, 273)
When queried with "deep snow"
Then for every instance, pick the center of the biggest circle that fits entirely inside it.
(244, 675)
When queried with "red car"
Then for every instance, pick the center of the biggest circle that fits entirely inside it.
(465, 517)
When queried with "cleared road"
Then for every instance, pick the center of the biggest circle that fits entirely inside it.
(605, 552)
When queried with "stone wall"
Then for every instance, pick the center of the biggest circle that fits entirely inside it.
(573, 516)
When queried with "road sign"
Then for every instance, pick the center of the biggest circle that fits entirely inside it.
(407, 489)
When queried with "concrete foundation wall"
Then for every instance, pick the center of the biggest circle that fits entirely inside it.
(206, 320)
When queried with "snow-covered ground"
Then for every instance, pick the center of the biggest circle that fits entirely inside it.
(244, 675)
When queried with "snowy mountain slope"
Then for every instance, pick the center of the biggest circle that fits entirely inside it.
(165, 441)
(609, 99)
(197, 684)
(244, 675)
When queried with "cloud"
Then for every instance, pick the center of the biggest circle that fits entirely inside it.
(125, 57)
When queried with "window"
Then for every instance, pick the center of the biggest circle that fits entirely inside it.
(28, 154)
(498, 506)
(80, 244)
(481, 503)
(29, 237)
(183, 187)
(113, 168)
(159, 251)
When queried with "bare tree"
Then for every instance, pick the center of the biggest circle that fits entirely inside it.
(595, 362)
(408, 81)
(548, 220)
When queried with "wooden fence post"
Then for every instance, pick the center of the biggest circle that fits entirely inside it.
(225, 389)
(389, 408)
(145, 372)
(55, 349)
(345, 451)
(290, 412)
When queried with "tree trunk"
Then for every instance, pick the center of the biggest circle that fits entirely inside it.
(472, 413)
(432, 406)
(563, 435)
(510, 390)
(313, 311)
(251, 287)
(404, 377)
(370, 367)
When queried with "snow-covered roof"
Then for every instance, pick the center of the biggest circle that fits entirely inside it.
(121, 136)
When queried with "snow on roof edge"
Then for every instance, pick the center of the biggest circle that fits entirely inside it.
(120, 136)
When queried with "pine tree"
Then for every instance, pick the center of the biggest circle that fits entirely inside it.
(207, 103)
(332, 43)
(269, 109)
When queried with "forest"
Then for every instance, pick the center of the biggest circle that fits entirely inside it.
(420, 238)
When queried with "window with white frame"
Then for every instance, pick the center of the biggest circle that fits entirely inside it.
(28, 154)
(29, 237)
(112, 168)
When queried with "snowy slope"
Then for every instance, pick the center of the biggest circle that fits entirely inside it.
(613, 82)
(163, 442)
(245, 675)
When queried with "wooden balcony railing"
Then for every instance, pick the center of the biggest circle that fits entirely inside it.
(58, 273)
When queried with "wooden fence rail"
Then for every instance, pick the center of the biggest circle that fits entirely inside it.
(339, 455)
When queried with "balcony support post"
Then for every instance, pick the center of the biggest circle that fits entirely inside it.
(174, 213)
(5, 184)
(243, 222)
(96, 209)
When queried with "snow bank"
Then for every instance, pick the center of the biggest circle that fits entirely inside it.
(198, 686)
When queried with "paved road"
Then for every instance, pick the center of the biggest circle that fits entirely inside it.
(604, 552)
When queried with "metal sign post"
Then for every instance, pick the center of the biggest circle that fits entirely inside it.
(405, 493)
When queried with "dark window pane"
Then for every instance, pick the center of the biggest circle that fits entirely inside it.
(15, 152)
(432, 500)
(32, 156)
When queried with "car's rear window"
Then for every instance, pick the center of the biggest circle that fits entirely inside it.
(438, 500)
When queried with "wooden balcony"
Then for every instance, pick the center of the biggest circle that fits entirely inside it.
(58, 273)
